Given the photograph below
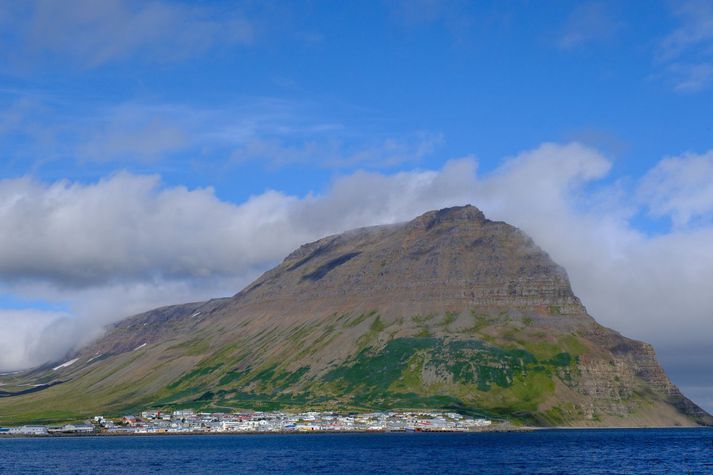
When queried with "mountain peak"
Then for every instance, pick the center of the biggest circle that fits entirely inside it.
(455, 214)
(453, 259)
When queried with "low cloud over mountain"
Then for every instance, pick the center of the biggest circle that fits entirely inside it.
(97, 252)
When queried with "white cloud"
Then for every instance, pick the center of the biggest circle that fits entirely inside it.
(694, 31)
(132, 132)
(337, 153)
(418, 12)
(692, 77)
(453, 14)
(588, 22)
(25, 337)
(128, 243)
(270, 132)
(90, 33)
(687, 52)
(124, 228)
(35, 129)
(680, 187)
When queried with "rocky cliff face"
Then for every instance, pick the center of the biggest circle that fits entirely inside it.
(450, 257)
(450, 310)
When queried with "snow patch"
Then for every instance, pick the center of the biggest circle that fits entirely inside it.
(94, 357)
(195, 314)
(64, 365)
(139, 347)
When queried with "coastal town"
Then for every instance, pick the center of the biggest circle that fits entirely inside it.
(186, 421)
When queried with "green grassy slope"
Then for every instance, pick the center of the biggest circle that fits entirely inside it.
(472, 363)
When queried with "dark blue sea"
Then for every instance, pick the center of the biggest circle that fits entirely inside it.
(540, 452)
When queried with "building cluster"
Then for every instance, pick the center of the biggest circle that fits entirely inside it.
(188, 421)
(49, 430)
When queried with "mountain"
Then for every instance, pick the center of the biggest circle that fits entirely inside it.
(450, 310)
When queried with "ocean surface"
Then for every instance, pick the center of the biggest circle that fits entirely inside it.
(540, 452)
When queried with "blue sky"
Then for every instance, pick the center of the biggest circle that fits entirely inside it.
(157, 152)
(447, 78)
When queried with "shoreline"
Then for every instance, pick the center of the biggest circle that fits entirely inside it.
(309, 433)
(258, 433)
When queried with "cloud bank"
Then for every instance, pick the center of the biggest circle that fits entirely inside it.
(128, 243)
